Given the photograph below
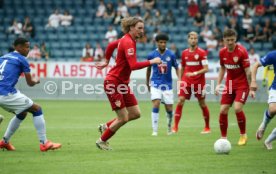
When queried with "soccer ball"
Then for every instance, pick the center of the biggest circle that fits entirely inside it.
(222, 146)
(1, 118)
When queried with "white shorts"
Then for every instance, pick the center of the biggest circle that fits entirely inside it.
(15, 103)
(272, 96)
(166, 96)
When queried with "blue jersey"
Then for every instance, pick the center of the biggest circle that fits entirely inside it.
(12, 65)
(162, 74)
(270, 59)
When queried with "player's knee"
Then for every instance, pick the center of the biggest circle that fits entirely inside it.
(181, 101)
(137, 114)
(272, 111)
(37, 112)
(224, 110)
(21, 116)
(237, 109)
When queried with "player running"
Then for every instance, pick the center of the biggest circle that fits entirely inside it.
(194, 66)
(161, 82)
(121, 98)
(268, 60)
(233, 59)
(12, 65)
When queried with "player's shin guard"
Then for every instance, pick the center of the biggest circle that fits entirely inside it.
(223, 122)
(241, 122)
(110, 122)
(206, 115)
(108, 133)
(177, 115)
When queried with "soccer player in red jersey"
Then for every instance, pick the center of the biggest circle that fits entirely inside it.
(194, 66)
(233, 60)
(116, 87)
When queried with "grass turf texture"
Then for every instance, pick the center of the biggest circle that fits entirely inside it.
(135, 151)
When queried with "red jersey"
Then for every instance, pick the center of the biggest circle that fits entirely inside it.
(235, 62)
(192, 62)
(126, 60)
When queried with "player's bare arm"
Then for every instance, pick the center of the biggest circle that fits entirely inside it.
(253, 85)
(148, 77)
(30, 80)
(220, 78)
(155, 60)
(248, 75)
(102, 65)
(205, 69)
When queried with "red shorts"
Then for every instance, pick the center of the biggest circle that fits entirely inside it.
(186, 91)
(237, 95)
(119, 95)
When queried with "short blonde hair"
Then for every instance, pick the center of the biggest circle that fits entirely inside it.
(127, 22)
(192, 33)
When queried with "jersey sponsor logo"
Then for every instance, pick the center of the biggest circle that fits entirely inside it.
(196, 56)
(118, 103)
(193, 63)
(235, 59)
(228, 66)
(168, 59)
(130, 51)
(163, 68)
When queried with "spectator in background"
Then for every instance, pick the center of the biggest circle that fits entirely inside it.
(210, 19)
(217, 33)
(247, 21)
(45, 52)
(260, 9)
(111, 34)
(213, 3)
(134, 4)
(198, 20)
(226, 8)
(158, 18)
(250, 9)
(250, 36)
(66, 19)
(28, 28)
(148, 18)
(117, 18)
(16, 28)
(155, 33)
(212, 45)
(175, 50)
(54, 20)
(109, 11)
(101, 9)
(203, 7)
(238, 9)
(206, 33)
(253, 57)
(99, 53)
(122, 8)
(87, 53)
(193, 9)
(35, 53)
(169, 19)
(149, 4)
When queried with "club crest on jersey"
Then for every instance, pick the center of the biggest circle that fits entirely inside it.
(118, 103)
(235, 59)
(130, 51)
(168, 59)
(196, 56)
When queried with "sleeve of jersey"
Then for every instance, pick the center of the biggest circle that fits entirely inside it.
(132, 61)
(110, 48)
(204, 60)
(267, 59)
(245, 61)
(183, 63)
(25, 65)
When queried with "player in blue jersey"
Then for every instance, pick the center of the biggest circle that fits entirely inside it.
(269, 59)
(161, 81)
(12, 65)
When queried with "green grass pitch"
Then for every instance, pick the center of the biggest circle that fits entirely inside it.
(135, 151)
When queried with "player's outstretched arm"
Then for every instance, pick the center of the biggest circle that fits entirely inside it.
(30, 81)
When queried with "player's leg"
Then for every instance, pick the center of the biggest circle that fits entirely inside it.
(184, 93)
(40, 126)
(268, 114)
(167, 96)
(240, 99)
(169, 110)
(269, 139)
(223, 119)
(156, 95)
(155, 116)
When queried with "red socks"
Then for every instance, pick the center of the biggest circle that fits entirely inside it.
(223, 122)
(110, 122)
(241, 121)
(177, 115)
(206, 115)
(107, 134)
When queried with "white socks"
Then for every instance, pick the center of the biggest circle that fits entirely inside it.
(154, 121)
(39, 124)
(12, 127)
